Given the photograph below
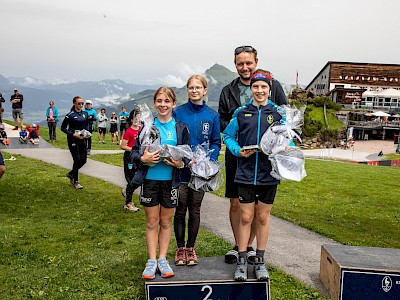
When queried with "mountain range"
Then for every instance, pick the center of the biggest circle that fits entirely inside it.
(111, 94)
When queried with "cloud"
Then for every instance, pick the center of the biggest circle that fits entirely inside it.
(183, 72)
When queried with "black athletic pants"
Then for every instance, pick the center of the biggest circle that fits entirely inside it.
(189, 200)
(129, 171)
(79, 155)
(52, 130)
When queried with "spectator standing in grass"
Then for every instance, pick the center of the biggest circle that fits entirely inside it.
(114, 127)
(256, 187)
(160, 182)
(234, 95)
(203, 124)
(2, 100)
(52, 119)
(102, 125)
(92, 117)
(16, 101)
(76, 120)
(128, 141)
(123, 115)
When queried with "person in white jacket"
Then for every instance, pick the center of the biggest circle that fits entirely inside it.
(102, 125)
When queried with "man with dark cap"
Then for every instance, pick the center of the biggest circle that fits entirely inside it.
(16, 101)
(232, 96)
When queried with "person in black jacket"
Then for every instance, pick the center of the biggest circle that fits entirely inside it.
(2, 100)
(16, 101)
(232, 96)
(75, 121)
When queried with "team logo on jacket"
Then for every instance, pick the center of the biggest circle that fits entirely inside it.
(270, 119)
(170, 135)
(206, 128)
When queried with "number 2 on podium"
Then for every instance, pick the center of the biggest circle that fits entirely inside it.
(209, 292)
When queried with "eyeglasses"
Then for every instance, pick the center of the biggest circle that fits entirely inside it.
(195, 88)
(79, 103)
(240, 49)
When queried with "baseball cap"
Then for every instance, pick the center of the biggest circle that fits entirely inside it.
(34, 125)
(2, 126)
(15, 89)
(88, 102)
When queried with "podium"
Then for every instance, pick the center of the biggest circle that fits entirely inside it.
(365, 273)
(211, 279)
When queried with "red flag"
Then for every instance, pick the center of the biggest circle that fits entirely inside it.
(297, 78)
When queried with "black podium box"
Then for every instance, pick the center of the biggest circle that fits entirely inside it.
(365, 273)
(211, 279)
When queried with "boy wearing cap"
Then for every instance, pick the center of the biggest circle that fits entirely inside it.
(16, 101)
(92, 117)
(3, 135)
(33, 135)
(256, 186)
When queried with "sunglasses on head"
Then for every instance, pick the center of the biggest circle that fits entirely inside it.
(240, 49)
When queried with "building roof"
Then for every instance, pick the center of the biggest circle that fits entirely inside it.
(348, 63)
(388, 93)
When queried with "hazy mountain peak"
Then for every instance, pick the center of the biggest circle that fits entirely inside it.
(220, 74)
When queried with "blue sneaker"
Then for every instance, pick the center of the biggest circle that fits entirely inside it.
(149, 272)
(164, 268)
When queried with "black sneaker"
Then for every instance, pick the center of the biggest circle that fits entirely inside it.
(231, 256)
(251, 255)
(241, 270)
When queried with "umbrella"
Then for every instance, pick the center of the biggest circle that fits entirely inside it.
(396, 116)
(380, 114)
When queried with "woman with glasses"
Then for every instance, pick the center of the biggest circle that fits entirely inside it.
(75, 121)
(203, 123)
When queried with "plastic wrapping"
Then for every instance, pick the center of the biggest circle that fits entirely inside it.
(176, 152)
(149, 135)
(288, 164)
(206, 175)
(85, 133)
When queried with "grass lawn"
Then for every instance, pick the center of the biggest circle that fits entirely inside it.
(61, 243)
(353, 204)
(317, 113)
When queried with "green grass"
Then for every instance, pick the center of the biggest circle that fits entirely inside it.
(353, 204)
(61, 243)
(112, 159)
(317, 113)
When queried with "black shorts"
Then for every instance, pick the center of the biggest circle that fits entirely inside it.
(102, 130)
(122, 127)
(113, 128)
(1, 160)
(231, 187)
(249, 193)
(158, 192)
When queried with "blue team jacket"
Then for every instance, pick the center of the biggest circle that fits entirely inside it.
(247, 126)
(203, 123)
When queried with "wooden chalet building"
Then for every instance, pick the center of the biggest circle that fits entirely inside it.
(371, 86)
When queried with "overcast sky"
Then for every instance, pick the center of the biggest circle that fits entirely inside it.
(164, 42)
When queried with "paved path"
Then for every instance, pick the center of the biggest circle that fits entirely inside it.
(291, 248)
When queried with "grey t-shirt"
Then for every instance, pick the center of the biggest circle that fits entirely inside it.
(245, 93)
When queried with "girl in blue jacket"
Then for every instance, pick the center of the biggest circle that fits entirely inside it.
(203, 123)
(256, 186)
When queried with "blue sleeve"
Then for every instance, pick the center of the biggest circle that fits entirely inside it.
(47, 112)
(215, 142)
(94, 116)
(230, 134)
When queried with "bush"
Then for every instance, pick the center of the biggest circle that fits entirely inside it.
(329, 135)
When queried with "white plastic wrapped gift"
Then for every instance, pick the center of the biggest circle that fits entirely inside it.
(206, 175)
(288, 164)
(176, 152)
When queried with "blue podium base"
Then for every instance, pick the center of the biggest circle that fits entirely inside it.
(211, 279)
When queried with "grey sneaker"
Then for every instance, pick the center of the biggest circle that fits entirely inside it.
(88, 151)
(77, 185)
(251, 255)
(241, 270)
(131, 207)
(231, 256)
(164, 268)
(260, 269)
